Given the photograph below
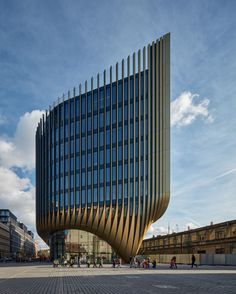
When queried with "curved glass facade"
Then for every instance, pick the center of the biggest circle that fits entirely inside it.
(102, 156)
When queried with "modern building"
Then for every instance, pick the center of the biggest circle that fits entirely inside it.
(4, 241)
(103, 155)
(213, 239)
(21, 239)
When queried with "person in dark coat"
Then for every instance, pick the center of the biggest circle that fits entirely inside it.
(193, 261)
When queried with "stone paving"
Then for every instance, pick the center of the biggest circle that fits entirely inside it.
(43, 278)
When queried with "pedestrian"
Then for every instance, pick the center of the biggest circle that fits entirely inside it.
(193, 260)
(131, 261)
(100, 262)
(78, 264)
(88, 262)
(173, 263)
(94, 262)
(113, 263)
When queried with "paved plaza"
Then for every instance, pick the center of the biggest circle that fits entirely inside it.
(43, 278)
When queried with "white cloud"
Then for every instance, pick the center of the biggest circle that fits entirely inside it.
(185, 109)
(18, 193)
(19, 151)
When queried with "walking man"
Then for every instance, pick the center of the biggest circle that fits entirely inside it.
(193, 260)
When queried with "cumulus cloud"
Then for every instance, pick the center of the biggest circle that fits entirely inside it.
(17, 193)
(186, 108)
(19, 150)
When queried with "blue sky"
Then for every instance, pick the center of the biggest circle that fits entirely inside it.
(48, 47)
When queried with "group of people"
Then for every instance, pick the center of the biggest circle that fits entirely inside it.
(116, 262)
(173, 263)
(97, 262)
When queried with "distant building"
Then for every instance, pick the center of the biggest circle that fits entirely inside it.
(4, 241)
(21, 239)
(214, 239)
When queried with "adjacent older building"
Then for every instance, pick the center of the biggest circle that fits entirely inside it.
(21, 239)
(4, 241)
(213, 239)
(103, 155)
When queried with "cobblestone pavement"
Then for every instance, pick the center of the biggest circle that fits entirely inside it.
(43, 278)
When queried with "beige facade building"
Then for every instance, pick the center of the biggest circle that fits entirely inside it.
(4, 241)
(213, 239)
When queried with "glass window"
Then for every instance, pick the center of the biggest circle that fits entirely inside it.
(83, 143)
(101, 176)
(72, 182)
(108, 96)
(108, 116)
(113, 116)
(120, 94)
(108, 155)
(101, 98)
(72, 108)
(83, 179)
(95, 176)
(77, 199)
(77, 108)
(89, 101)
(114, 154)
(113, 135)
(126, 133)
(120, 155)
(120, 134)
(120, 172)
(95, 140)
(95, 158)
(107, 174)
(101, 139)
(101, 120)
(89, 179)
(126, 151)
(101, 158)
(66, 131)
(83, 105)
(95, 100)
(83, 161)
(126, 112)
(95, 122)
(114, 94)
(83, 125)
(89, 192)
(95, 195)
(89, 124)
(83, 196)
(77, 162)
(101, 193)
(89, 142)
(72, 163)
(77, 127)
(114, 173)
(72, 146)
(120, 114)
(126, 171)
(66, 109)
(66, 165)
(126, 89)
(120, 191)
(77, 145)
(89, 160)
(108, 137)
(108, 193)
(114, 192)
